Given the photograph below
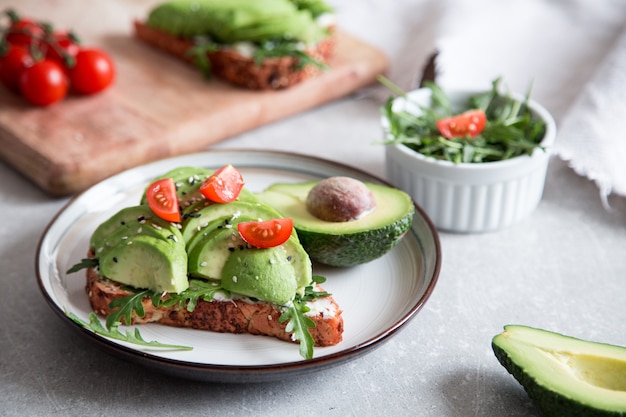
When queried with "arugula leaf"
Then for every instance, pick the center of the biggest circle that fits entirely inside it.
(113, 332)
(124, 307)
(198, 289)
(272, 49)
(510, 131)
(84, 263)
(299, 324)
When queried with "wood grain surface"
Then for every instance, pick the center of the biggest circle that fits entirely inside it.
(157, 108)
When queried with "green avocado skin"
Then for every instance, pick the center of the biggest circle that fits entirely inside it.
(364, 247)
(550, 403)
(344, 244)
(538, 387)
(237, 20)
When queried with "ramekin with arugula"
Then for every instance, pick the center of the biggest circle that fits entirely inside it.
(476, 161)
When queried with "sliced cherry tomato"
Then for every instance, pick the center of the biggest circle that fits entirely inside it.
(224, 185)
(12, 64)
(92, 72)
(266, 234)
(43, 83)
(470, 123)
(24, 32)
(162, 199)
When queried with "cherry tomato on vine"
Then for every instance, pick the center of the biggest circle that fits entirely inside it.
(24, 32)
(162, 199)
(93, 71)
(469, 123)
(43, 83)
(266, 234)
(12, 64)
(60, 46)
(224, 185)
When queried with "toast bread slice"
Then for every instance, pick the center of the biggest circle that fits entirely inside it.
(272, 74)
(224, 316)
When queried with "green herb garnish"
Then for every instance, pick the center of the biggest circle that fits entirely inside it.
(114, 332)
(297, 320)
(124, 308)
(510, 131)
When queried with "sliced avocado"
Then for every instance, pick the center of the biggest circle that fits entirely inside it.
(187, 180)
(147, 262)
(224, 222)
(236, 20)
(266, 274)
(194, 223)
(344, 243)
(127, 222)
(207, 257)
(563, 375)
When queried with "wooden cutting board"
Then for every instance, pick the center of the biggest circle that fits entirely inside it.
(158, 107)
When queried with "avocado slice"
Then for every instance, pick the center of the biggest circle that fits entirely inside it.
(563, 375)
(147, 262)
(234, 21)
(187, 180)
(194, 222)
(266, 274)
(223, 253)
(224, 222)
(128, 222)
(344, 243)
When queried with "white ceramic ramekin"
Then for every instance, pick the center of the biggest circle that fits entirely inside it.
(471, 197)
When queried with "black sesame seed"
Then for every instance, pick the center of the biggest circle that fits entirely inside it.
(231, 249)
(115, 260)
(171, 237)
(289, 258)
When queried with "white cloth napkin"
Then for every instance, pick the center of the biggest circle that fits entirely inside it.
(592, 137)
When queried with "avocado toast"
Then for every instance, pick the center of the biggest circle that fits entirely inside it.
(209, 269)
(255, 44)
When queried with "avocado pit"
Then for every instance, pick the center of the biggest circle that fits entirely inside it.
(340, 199)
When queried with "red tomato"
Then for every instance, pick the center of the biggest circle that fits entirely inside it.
(224, 185)
(24, 32)
(470, 123)
(266, 234)
(93, 71)
(43, 83)
(13, 64)
(162, 199)
(60, 46)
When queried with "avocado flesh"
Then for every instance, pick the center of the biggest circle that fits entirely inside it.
(147, 262)
(344, 243)
(236, 20)
(130, 221)
(193, 224)
(563, 375)
(266, 274)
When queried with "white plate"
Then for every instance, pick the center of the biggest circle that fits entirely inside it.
(377, 299)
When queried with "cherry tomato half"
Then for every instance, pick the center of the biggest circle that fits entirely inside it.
(266, 234)
(224, 185)
(12, 64)
(43, 83)
(93, 71)
(470, 123)
(162, 199)
(24, 32)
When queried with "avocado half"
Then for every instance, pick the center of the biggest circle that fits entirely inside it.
(563, 375)
(347, 243)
